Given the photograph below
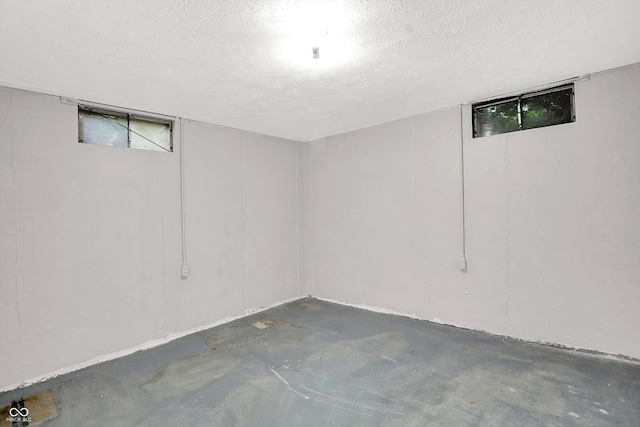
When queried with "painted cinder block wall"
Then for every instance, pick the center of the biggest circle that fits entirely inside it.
(90, 236)
(552, 221)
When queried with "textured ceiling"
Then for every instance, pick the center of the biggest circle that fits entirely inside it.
(248, 64)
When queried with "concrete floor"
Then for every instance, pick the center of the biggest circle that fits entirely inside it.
(321, 364)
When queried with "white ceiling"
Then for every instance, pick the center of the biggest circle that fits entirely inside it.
(248, 64)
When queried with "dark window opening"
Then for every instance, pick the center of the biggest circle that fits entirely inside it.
(528, 111)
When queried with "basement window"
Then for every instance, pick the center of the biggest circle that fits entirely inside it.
(548, 107)
(119, 129)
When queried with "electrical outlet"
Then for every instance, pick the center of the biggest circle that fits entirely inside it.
(462, 263)
(184, 271)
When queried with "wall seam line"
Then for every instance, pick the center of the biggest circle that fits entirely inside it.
(15, 219)
(164, 250)
(242, 213)
(507, 238)
(183, 221)
(299, 202)
(309, 273)
(413, 211)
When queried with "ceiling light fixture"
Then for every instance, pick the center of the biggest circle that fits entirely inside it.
(317, 23)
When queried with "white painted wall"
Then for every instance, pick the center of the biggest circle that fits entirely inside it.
(552, 216)
(241, 223)
(90, 236)
(90, 244)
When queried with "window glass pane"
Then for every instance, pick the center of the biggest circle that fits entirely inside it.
(102, 129)
(547, 109)
(148, 135)
(496, 119)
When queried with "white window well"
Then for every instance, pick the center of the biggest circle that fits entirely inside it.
(120, 129)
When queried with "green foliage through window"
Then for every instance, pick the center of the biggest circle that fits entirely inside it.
(544, 108)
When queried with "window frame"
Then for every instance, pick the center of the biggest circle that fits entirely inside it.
(520, 98)
(129, 115)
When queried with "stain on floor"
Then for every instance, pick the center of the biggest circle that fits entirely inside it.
(33, 410)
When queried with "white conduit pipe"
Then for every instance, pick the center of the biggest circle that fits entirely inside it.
(463, 257)
(184, 270)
